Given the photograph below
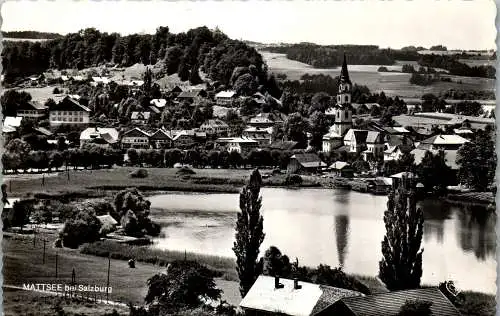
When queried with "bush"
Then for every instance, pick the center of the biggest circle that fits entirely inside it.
(139, 173)
(293, 179)
(185, 171)
(56, 91)
(83, 228)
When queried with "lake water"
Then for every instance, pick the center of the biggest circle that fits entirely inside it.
(335, 227)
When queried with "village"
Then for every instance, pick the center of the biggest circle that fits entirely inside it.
(150, 173)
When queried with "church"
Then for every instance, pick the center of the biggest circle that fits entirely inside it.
(340, 114)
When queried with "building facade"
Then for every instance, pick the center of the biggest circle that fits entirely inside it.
(69, 111)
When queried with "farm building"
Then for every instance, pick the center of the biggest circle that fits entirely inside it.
(342, 169)
(305, 163)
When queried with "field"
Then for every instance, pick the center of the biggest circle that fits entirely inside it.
(392, 83)
(20, 302)
(159, 179)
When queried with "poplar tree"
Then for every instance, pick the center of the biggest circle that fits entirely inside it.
(249, 233)
(401, 265)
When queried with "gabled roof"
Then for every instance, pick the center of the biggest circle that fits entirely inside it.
(161, 134)
(32, 105)
(310, 299)
(137, 132)
(99, 132)
(253, 129)
(107, 220)
(214, 123)
(404, 174)
(154, 109)
(309, 160)
(373, 137)
(339, 165)
(69, 104)
(225, 94)
(445, 140)
(283, 145)
(190, 94)
(236, 140)
(358, 134)
(390, 303)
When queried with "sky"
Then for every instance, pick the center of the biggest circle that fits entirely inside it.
(457, 24)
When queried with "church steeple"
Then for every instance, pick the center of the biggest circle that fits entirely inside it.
(344, 74)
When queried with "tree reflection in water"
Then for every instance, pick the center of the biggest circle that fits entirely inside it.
(341, 237)
(435, 214)
(477, 230)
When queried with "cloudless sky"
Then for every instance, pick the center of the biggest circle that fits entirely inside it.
(457, 24)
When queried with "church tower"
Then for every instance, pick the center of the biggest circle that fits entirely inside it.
(343, 112)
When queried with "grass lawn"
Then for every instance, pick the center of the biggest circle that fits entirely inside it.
(20, 302)
(163, 179)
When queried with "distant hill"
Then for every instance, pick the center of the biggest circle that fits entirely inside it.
(31, 35)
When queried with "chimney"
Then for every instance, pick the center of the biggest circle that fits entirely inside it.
(296, 285)
(277, 284)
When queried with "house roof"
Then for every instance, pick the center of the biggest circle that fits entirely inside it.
(69, 104)
(161, 134)
(358, 134)
(390, 303)
(136, 115)
(12, 121)
(136, 132)
(463, 131)
(450, 156)
(154, 109)
(159, 103)
(339, 165)
(254, 129)
(373, 137)
(214, 123)
(404, 174)
(32, 105)
(98, 132)
(43, 130)
(107, 220)
(239, 140)
(225, 94)
(308, 300)
(283, 145)
(331, 134)
(189, 94)
(309, 160)
(445, 140)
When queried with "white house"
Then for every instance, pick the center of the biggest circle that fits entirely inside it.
(215, 127)
(225, 98)
(135, 138)
(262, 135)
(99, 135)
(69, 111)
(32, 109)
(243, 145)
(140, 117)
(374, 146)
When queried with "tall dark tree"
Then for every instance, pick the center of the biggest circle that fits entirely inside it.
(477, 160)
(249, 233)
(401, 264)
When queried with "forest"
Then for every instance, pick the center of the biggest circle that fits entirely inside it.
(199, 49)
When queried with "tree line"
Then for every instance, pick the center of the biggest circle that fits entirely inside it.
(199, 49)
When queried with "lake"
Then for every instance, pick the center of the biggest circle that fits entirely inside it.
(334, 227)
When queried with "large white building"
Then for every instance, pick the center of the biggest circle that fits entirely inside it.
(69, 111)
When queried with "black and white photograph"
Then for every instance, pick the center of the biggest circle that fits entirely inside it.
(248, 158)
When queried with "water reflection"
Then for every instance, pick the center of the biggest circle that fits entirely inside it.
(435, 214)
(476, 231)
(341, 237)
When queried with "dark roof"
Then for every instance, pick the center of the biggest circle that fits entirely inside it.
(192, 94)
(330, 296)
(283, 145)
(389, 304)
(360, 136)
(160, 134)
(32, 105)
(69, 104)
(309, 160)
(344, 73)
